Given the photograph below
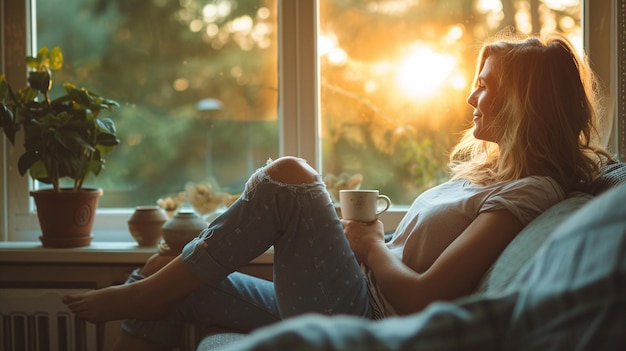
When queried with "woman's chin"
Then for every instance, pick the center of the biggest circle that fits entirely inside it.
(477, 134)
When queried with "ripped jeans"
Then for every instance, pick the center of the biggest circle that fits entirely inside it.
(315, 270)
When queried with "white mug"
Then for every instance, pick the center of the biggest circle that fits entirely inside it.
(362, 205)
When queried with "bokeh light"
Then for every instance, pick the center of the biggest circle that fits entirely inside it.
(423, 71)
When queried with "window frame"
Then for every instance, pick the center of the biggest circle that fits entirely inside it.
(609, 63)
(298, 102)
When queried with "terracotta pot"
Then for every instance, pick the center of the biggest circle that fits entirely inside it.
(66, 217)
(181, 229)
(145, 225)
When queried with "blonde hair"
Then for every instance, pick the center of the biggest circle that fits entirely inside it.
(546, 124)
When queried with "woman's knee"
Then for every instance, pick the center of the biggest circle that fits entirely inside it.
(291, 170)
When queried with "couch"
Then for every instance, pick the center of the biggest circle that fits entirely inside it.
(512, 260)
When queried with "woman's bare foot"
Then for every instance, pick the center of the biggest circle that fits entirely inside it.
(117, 302)
(147, 298)
(112, 303)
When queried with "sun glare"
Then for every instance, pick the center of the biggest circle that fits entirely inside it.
(325, 44)
(423, 72)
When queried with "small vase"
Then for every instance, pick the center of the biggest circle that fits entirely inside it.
(145, 225)
(181, 229)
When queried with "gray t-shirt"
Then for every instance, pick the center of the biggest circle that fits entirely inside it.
(439, 215)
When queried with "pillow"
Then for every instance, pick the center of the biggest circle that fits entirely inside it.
(612, 175)
(524, 246)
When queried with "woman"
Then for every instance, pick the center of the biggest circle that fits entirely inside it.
(531, 143)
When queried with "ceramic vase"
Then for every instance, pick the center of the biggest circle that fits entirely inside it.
(181, 229)
(145, 225)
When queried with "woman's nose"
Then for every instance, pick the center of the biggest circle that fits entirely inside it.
(471, 99)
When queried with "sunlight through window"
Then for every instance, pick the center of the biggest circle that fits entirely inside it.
(422, 72)
(395, 76)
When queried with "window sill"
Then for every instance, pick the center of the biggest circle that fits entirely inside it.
(97, 253)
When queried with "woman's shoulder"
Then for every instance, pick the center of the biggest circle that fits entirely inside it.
(534, 186)
(531, 183)
(526, 197)
(541, 181)
(538, 182)
(546, 186)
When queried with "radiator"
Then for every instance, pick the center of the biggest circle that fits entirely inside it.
(36, 319)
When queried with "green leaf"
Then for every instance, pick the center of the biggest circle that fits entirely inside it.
(107, 125)
(96, 165)
(88, 99)
(40, 81)
(73, 141)
(27, 161)
(106, 139)
(70, 166)
(32, 62)
(105, 149)
(27, 95)
(39, 172)
(56, 58)
(43, 58)
(7, 123)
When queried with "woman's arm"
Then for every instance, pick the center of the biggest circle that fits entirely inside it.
(455, 273)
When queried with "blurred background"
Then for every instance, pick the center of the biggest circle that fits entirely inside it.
(198, 87)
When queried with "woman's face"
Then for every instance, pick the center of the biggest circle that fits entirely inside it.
(482, 99)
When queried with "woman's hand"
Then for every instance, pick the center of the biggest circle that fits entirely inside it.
(363, 237)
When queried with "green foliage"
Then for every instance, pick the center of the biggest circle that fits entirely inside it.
(62, 137)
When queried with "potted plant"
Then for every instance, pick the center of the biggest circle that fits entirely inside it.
(63, 138)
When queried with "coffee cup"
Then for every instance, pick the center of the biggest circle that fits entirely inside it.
(362, 205)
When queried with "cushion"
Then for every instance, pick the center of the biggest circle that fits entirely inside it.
(527, 242)
(612, 175)
(215, 341)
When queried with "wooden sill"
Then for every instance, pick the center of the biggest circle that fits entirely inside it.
(97, 252)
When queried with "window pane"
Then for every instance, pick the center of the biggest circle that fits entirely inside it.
(196, 81)
(395, 75)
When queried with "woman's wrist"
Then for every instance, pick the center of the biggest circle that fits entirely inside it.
(374, 252)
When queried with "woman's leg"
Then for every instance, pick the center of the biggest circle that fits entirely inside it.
(284, 204)
(239, 303)
(145, 299)
(128, 341)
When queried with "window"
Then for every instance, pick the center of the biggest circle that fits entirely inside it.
(197, 85)
(209, 89)
(395, 76)
(196, 82)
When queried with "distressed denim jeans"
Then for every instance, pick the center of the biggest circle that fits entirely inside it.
(315, 270)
